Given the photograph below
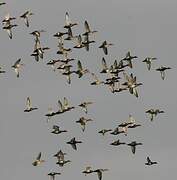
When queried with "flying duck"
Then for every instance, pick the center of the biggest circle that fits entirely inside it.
(28, 105)
(56, 130)
(133, 145)
(38, 160)
(88, 30)
(73, 143)
(149, 162)
(162, 70)
(88, 170)
(17, 65)
(148, 62)
(80, 71)
(84, 105)
(83, 121)
(68, 23)
(104, 131)
(53, 174)
(117, 143)
(105, 46)
(25, 16)
(129, 58)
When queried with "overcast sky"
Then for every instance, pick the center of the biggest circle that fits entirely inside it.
(146, 28)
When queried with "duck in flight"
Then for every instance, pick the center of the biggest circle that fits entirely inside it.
(53, 174)
(25, 16)
(149, 162)
(84, 105)
(153, 113)
(117, 143)
(17, 65)
(83, 121)
(87, 42)
(68, 22)
(105, 46)
(104, 131)
(59, 155)
(149, 61)
(80, 71)
(73, 143)
(133, 145)
(105, 68)
(38, 160)
(8, 28)
(63, 107)
(56, 130)
(88, 31)
(162, 70)
(128, 58)
(88, 170)
(29, 106)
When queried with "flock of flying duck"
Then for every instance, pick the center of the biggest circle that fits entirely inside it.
(115, 73)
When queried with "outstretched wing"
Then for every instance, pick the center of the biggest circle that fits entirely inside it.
(148, 160)
(39, 156)
(67, 19)
(28, 103)
(65, 103)
(104, 64)
(87, 28)
(60, 105)
(17, 62)
(79, 65)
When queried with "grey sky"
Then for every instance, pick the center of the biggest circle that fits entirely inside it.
(146, 28)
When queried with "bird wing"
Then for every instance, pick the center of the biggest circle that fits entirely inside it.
(131, 119)
(9, 31)
(65, 103)
(104, 64)
(67, 19)
(60, 105)
(39, 156)
(79, 39)
(17, 62)
(87, 28)
(128, 55)
(148, 160)
(28, 103)
(135, 92)
(79, 65)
